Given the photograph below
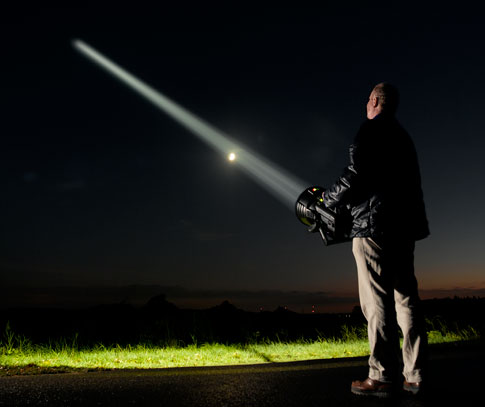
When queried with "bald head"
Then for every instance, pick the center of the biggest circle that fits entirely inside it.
(384, 98)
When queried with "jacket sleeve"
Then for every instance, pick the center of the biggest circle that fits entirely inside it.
(340, 193)
(346, 190)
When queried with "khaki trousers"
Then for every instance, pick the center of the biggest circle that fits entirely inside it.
(388, 293)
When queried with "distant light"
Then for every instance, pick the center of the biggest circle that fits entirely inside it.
(231, 157)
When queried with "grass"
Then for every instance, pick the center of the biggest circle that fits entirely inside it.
(19, 356)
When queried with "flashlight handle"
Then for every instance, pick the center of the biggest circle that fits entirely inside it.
(324, 237)
(313, 228)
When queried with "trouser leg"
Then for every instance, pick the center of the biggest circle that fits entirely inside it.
(410, 317)
(376, 293)
(388, 288)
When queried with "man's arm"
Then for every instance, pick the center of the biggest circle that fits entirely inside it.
(346, 188)
(340, 193)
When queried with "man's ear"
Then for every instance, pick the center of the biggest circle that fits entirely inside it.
(375, 101)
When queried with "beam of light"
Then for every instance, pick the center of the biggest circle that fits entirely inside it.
(282, 185)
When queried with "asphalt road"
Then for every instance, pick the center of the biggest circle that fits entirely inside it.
(456, 377)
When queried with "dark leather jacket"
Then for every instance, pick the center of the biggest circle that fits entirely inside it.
(382, 183)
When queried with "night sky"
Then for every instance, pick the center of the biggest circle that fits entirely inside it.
(105, 198)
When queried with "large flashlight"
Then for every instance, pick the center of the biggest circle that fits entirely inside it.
(333, 226)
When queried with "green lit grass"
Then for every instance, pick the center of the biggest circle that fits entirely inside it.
(18, 355)
(146, 357)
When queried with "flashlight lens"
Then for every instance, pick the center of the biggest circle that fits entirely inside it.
(231, 157)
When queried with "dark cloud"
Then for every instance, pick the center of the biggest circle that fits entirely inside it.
(72, 185)
(30, 177)
(203, 235)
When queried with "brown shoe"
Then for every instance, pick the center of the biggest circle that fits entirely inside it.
(371, 387)
(415, 388)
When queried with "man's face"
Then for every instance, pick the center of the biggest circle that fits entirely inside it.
(371, 106)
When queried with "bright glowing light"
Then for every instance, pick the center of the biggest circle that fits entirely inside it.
(231, 157)
(284, 186)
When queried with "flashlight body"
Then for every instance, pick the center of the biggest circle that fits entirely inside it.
(333, 226)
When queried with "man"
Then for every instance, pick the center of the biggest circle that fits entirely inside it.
(382, 187)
